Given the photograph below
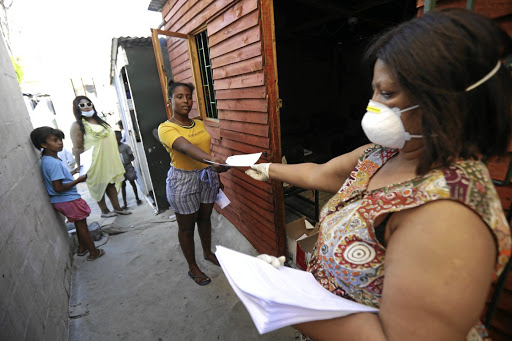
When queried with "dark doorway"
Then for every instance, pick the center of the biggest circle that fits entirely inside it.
(323, 83)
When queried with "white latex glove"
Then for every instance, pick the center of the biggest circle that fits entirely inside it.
(259, 171)
(276, 262)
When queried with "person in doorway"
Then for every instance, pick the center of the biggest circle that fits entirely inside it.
(106, 172)
(192, 184)
(61, 188)
(123, 132)
(130, 174)
(416, 227)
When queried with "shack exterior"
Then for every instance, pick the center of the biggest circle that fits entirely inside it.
(241, 49)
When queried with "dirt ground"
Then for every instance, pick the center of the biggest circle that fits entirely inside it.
(140, 289)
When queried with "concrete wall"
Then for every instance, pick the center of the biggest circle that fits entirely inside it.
(35, 257)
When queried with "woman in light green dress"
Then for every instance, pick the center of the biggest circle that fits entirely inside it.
(106, 172)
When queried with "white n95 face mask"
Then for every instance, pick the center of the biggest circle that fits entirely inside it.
(88, 113)
(382, 125)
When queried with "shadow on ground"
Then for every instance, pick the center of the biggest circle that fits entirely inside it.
(140, 289)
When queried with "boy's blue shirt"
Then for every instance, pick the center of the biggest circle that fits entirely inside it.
(55, 169)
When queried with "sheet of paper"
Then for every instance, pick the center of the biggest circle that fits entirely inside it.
(85, 161)
(276, 298)
(246, 160)
(222, 200)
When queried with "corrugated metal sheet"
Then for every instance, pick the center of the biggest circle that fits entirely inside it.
(125, 42)
(134, 41)
(156, 5)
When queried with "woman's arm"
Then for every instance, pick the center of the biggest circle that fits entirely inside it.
(77, 137)
(328, 177)
(60, 187)
(439, 264)
(182, 145)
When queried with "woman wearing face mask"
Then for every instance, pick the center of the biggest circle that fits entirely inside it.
(106, 172)
(416, 228)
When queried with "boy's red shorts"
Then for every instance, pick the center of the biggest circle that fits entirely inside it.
(73, 210)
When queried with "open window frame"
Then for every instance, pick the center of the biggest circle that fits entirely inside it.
(191, 53)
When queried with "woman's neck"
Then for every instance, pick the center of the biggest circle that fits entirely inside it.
(91, 120)
(410, 156)
(181, 120)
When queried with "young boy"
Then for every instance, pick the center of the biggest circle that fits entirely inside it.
(62, 187)
(130, 174)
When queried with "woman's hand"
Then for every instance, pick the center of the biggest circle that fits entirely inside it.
(259, 171)
(276, 262)
(81, 178)
(219, 168)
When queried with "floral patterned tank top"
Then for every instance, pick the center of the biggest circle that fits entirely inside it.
(349, 259)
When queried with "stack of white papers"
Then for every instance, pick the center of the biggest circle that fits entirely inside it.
(276, 298)
(85, 161)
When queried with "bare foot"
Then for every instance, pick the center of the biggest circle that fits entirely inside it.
(99, 253)
(82, 252)
(212, 258)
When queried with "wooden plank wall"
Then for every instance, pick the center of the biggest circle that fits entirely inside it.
(234, 34)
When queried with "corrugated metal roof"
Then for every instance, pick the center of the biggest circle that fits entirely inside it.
(125, 42)
(133, 41)
(156, 5)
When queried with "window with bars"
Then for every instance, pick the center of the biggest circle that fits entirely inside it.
(205, 66)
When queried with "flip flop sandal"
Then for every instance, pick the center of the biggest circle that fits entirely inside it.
(102, 252)
(82, 253)
(121, 212)
(205, 279)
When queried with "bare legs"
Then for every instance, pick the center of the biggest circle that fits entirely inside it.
(123, 191)
(85, 241)
(111, 192)
(204, 226)
(186, 226)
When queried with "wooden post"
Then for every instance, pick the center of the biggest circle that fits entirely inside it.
(270, 67)
(160, 68)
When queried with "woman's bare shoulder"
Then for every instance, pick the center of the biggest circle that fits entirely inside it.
(74, 126)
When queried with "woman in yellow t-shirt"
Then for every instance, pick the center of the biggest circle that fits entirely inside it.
(192, 184)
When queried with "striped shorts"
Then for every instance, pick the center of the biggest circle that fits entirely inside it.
(186, 190)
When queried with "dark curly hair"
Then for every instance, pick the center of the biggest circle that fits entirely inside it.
(171, 85)
(435, 58)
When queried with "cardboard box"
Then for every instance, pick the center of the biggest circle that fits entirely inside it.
(301, 241)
